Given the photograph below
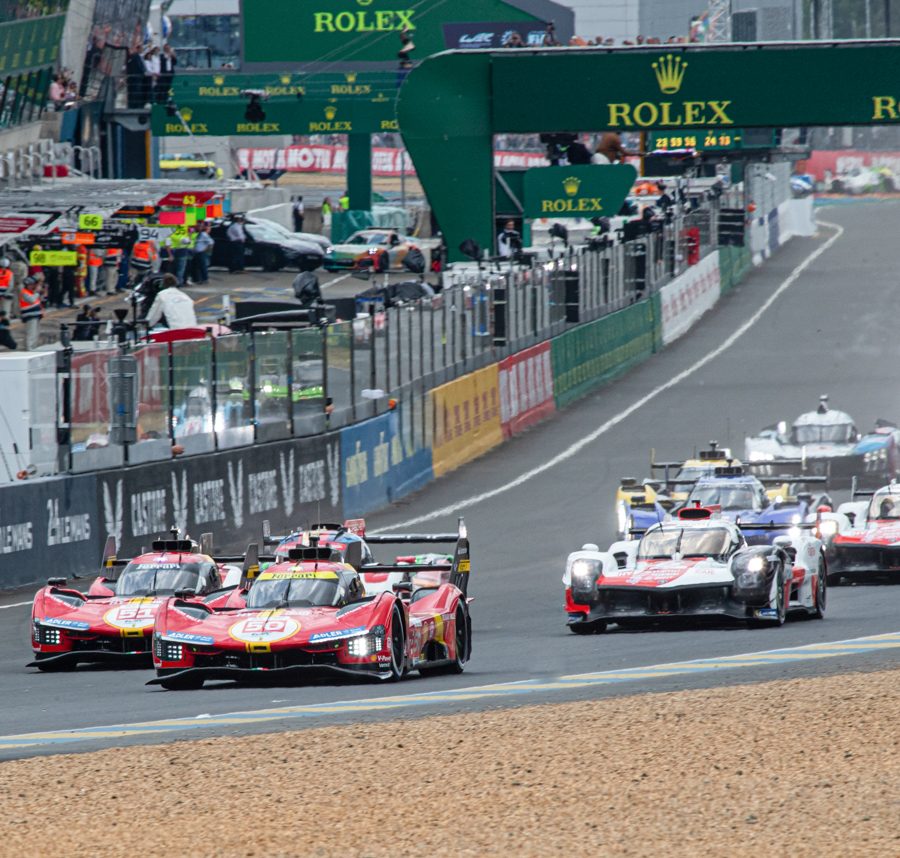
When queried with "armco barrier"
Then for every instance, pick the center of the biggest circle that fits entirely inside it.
(49, 528)
(466, 419)
(229, 493)
(526, 389)
(375, 467)
(689, 296)
(593, 354)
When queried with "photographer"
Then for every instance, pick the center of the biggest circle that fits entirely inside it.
(509, 242)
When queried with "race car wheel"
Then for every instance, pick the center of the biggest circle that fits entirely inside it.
(463, 647)
(780, 602)
(821, 590)
(398, 645)
(383, 263)
(270, 260)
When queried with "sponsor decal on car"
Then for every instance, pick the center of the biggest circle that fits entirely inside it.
(766, 613)
(187, 637)
(337, 634)
(138, 614)
(61, 623)
(264, 630)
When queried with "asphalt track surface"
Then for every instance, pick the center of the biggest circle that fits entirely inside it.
(832, 330)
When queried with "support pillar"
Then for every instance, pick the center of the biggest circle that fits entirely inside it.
(359, 171)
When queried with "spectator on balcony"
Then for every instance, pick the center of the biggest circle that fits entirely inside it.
(57, 93)
(152, 69)
(135, 74)
(167, 63)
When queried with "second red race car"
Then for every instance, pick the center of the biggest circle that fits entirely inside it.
(112, 622)
(311, 614)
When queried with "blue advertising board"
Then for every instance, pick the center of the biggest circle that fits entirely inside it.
(376, 467)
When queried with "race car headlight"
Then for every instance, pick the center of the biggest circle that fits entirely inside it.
(622, 516)
(759, 456)
(47, 635)
(828, 527)
(752, 575)
(167, 650)
(584, 572)
(756, 564)
(367, 644)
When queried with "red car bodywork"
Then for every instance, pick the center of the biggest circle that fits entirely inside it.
(70, 627)
(382, 636)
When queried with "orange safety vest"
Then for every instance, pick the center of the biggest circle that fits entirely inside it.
(6, 278)
(143, 254)
(29, 303)
(113, 256)
(95, 260)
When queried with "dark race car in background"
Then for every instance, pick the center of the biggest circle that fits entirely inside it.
(826, 442)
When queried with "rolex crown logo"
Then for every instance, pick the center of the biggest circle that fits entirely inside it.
(350, 77)
(571, 184)
(219, 79)
(669, 72)
(285, 79)
(187, 114)
(330, 112)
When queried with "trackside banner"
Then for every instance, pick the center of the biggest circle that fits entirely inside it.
(466, 419)
(689, 296)
(49, 528)
(227, 493)
(526, 389)
(377, 468)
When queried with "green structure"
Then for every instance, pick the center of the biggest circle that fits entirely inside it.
(452, 104)
(29, 50)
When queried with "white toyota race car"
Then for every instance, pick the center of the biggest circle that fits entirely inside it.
(697, 565)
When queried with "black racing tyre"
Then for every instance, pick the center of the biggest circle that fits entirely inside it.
(383, 263)
(821, 591)
(463, 647)
(780, 605)
(595, 628)
(270, 260)
(398, 645)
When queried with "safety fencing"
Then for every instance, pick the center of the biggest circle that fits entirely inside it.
(58, 525)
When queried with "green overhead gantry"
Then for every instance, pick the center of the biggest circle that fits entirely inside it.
(451, 106)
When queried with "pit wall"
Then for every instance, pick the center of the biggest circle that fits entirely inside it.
(57, 526)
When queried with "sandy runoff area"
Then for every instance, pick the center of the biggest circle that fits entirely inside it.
(807, 767)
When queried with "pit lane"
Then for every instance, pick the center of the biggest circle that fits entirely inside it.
(831, 331)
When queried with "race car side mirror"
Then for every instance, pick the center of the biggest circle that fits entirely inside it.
(402, 587)
(185, 593)
(56, 582)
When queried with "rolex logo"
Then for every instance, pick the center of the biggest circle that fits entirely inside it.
(330, 112)
(187, 114)
(350, 77)
(219, 79)
(285, 79)
(571, 184)
(669, 72)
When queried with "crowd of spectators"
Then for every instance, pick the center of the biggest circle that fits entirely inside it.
(150, 71)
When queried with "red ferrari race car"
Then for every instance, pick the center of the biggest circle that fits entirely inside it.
(865, 543)
(113, 620)
(311, 614)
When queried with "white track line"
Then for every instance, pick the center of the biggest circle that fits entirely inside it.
(578, 446)
(16, 605)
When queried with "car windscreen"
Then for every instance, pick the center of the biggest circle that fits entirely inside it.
(368, 238)
(725, 497)
(885, 505)
(822, 433)
(157, 579)
(261, 233)
(294, 590)
(694, 472)
(688, 542)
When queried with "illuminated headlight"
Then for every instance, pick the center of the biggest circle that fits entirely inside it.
(759, 456)
(752, 575)
(796, 519)
(756, 564)
(366, 645)
(584, 571)
(794, 533)
(167, 650)
(267, 389)
(47, 635)
(622, 516)
(828, 527)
